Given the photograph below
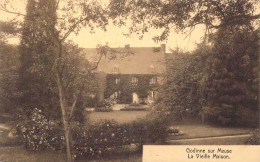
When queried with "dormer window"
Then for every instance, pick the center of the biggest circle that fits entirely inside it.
(152, 69)
(115, 69)
(117, 80)
(153, 80)
(134, 81)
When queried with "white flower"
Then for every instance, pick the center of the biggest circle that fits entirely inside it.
(23, 129)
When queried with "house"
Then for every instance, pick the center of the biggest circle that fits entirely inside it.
(129, 74)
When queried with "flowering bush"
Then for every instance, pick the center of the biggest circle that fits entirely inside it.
(103, 137)
(38, 133)
(254, 138)
(174, 131)
(107, 102)
(95, 139)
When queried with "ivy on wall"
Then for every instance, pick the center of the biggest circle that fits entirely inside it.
(126, 88)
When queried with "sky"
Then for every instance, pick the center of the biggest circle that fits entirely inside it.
(114, 36)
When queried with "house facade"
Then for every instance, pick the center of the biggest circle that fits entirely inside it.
(133, 78)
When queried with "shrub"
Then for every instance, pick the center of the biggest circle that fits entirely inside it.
(218, 115)
(134, 104)
(133, 109)
(143, 103)
(106, 136)
(254, 139)
(228, 115)
(107, 102)
(175, 131)
(38, 133)
(103, 109)
(90, 101)
(246, 117)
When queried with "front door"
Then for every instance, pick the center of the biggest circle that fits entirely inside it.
(135, 98)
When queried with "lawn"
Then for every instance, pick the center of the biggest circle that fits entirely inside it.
(13, 154)
(223, 140)
(119, 116)
(193, 128)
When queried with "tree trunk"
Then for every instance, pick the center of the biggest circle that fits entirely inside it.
(65, 116)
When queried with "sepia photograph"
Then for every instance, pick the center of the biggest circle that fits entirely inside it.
(129, 80)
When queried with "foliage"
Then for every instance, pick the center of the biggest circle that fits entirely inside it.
(44, 59)
(231, 67)
(109, 102)
(91, 101)
(38, 133)
(101, 138)
(133, 109)
(181, 14)
(126, 88)
(227, 73)
(230, 71)
(229, 83)
(254, 138)
(9, 62)
(175, 131)
(134, 104)
(8, 29)
(36, 56)
(181, 88)
(103, 109)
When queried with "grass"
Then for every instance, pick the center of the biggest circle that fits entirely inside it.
(5, 140)
(235, 140)
(195, 129)
(13, 154)
(119, 116)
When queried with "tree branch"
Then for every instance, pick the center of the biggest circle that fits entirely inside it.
(99, 59)
(219, 9)
(57, 5)
(75, 101)
(240, 19)
(3, 8)
(72, 28)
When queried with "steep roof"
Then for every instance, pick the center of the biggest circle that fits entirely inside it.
(139, 60)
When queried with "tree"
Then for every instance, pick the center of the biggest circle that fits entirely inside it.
(44, 53)
(230, 30)
(231, 74)
(37, 58)
(182, 14)
(181, 90)
(9, 62)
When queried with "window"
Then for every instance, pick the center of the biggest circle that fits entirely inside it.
(117, 80)
(115, 69)
(152, 94)
(152, 69)
(117, 94)
(153, 80)
(134, 81)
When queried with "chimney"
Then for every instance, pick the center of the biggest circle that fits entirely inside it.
(127, 46)
(163, 48)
